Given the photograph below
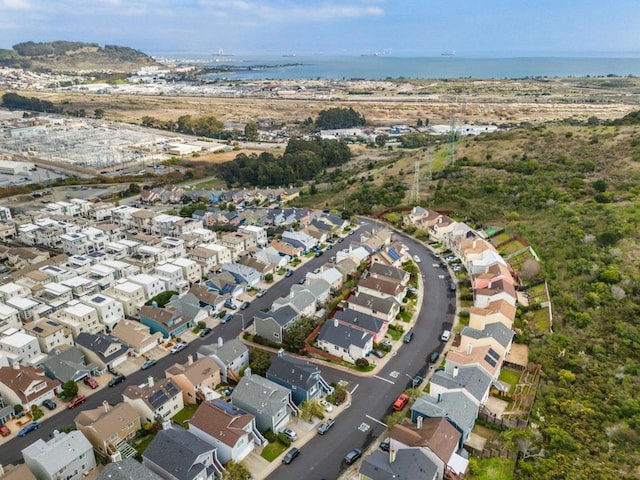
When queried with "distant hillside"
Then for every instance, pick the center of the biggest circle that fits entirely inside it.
(73, 57)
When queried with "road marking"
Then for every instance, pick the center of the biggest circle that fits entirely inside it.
(441, 277)
(355, 388)
(364, 427)
(377, 421)
(394, 374)
(384, 379)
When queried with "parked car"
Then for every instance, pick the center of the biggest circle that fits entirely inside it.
(245, 305)
(116, 380)
(49, 404)
(416, 381)
(452, 286)
(378, 353)
(289, 273)
(433, 358)
(4, 431)
(318, 253)
(400, 402)
(29, 428)
(326, 405)
(326, 426)
(416, 259)
(408, 336)
(177, 347)
(229, 304)
(205, 331)
(79, 400)
(385, 446)
(302, 280)
(386, 343)
(226, 318)
(290, 434)
(261, 293)
(446, 335)
(290, 455)
(91, 382)
(148, 364)
(353, 455)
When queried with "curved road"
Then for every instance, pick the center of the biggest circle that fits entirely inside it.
(372, 397)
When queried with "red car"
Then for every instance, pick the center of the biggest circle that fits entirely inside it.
(76, 401)
(91, 382)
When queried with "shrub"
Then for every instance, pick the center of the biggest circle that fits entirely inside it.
(283, 439)
(362, 363)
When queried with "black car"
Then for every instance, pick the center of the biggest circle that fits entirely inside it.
(290, 455)
(408, 336)
(384, 446)
(353, 455)
(415, 381)
(378, 353)
(116, 380)
(205, 332)
(49, 404)
(433, 358)
(289, 273)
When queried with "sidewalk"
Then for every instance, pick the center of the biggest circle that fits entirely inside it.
(261, 468)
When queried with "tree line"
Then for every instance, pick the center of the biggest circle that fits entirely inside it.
(302, 160)
(13, 100)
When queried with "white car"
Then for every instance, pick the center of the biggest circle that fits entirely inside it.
(326, 405)
(446, 335)
(290, 434)
(416, 258)
(177, 347)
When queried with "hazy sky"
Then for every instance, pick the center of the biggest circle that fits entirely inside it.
(395, 27)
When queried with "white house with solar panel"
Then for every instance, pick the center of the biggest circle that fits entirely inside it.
(110, 311)
(154, 399)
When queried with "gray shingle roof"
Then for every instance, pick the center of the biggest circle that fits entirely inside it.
(294, 371)
(383, 305)
(262, 394)
(67, 364)
(471, 378)
(227, 353)
(128, 469)
(100, 343)
(343, 335)
(410, 464)
(362, 320)
(498, 331)
(283, 316)
(176, 450)
(455, 406)
(387, 271)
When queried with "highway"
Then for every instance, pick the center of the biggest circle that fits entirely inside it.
(372, 397)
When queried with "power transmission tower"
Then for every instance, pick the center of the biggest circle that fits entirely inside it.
(428, 176)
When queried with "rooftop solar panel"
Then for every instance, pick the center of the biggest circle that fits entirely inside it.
(490, 360)
(494, 354)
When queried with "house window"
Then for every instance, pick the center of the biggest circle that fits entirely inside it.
(276, 335)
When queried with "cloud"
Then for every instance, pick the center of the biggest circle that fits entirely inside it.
(14, 5)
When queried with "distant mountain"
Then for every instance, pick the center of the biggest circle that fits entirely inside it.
(74, 57)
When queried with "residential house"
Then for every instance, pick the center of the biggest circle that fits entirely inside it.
(332, 276)
(443, 225)
(178, 454)
(9, 318)
(319, 288)
(16, 472)
(79, 318)
(302, 301)
(26, 386)
(259, 234)
(110, 311)
(434, 434)
(223, 254)
(496, 335)
(130, 295)
(357, 254)
(209, 299)
(191, 271)
(152, 285)
(242, 273)
(53, 294)
(50, 334)
(382, 288)
(496, 311)
(109, 428)
(197, 379)
(224, 282)
(155, 399)
(472, 380)
(238, 243)
(232, 431)
(20, 348)
(344, 341)
(231, 356)
(483, 357)
(487, 258)
(284, 248)
(377, 270)
(127, 469)
(498, 290)
(27, 308)
(455, 406)
(258, 264)
(301, 377)
(172, 277)
(13, 290)
(406, 463)
(270, 403)
(271, 256)
(66, 455)
(206, 258)
(271, 325)
(492, 274)
(66, 364)
(384, 308)
(375, 326)
(106, 351)
(167, 321)
(136, 336)
(346, 267)
(102, 275)
(81, 286)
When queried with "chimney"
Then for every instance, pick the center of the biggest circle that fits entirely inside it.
(189, 359)
(439, 397)
(469, 348)
(106, 406)
(455, 372)
(150, 381)
(335, 322)
(392, 455)
(247, 372)
(281, 352)
(419, 422)
(220, 342)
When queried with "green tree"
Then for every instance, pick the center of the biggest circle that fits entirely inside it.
(98, 113)
(310, 409)
(259, 361)
(162, 298)
(134, 188)
(70, 389)
(235, 471)
(381, 140)
(251, 130)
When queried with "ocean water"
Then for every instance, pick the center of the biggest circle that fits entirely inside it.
(381, 67)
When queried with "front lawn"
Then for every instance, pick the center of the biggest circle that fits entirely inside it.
(272, 451)
(490, 468)
(395, 331)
